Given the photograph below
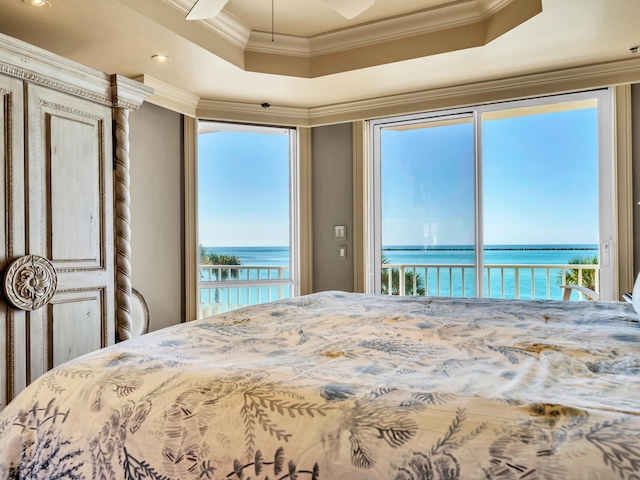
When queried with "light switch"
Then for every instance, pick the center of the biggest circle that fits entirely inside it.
(340, 232)
(342, 252)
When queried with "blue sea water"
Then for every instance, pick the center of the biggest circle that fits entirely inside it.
(276, 256)
(493, 254)
(410, 254)
(450, 283)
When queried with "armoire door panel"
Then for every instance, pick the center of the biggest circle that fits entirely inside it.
(75, 227)
(69, 213)
(12, 242)
(70, 174)
(70, 222)
(73, 316)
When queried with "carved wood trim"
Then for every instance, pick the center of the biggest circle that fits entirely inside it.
(30, 282)
(66, 109)
(128, 94)
(122, 219)
(54, 85)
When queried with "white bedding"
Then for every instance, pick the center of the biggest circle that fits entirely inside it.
(346, 386)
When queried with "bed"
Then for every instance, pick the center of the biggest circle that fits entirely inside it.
(338, 385)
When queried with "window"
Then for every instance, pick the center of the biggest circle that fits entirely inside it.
(246, 215)
(504, 201)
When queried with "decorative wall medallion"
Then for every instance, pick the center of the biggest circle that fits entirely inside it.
(30, 282)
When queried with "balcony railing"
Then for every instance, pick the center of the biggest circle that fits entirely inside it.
(227, 287)
(531, 281)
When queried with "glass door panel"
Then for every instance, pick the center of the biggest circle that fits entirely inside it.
(540, 199)
(245, 222)
(427, 207)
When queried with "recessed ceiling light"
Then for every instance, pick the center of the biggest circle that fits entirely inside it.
(37, 3)
(161, 58)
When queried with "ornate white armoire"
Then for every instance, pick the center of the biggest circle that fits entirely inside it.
(64, 255)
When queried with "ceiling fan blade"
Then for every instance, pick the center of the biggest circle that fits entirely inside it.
(205, 9)
(349, 8)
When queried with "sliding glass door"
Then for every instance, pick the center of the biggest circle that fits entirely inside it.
(427, 194)
(504, 201)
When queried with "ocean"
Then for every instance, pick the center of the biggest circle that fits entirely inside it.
(450, 283)
(493, 254)
(412, 255)
(276, 256)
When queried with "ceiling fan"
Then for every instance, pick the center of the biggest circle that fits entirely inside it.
(202, 9)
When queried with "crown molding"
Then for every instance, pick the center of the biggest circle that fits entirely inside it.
(128, 93)
(252, 113)
(557, 81)
(426, 21)
(454, 14)
(444, 17)
(170, 97)
(278, 44)
(588, 77)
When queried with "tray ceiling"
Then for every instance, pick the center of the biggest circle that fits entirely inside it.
(317, 58)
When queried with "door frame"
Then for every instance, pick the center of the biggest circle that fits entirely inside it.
(299, 205)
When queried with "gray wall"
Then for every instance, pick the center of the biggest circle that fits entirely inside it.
(156, 212)
(332, 153)
(635, 127)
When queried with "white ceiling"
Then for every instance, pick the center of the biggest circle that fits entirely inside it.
(120, 36)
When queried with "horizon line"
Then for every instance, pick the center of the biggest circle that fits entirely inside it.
(506, 246)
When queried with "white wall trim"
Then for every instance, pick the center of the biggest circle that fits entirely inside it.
(191, 251)
(252, 113)
(511, 88)
(169, 97)
(622, 143)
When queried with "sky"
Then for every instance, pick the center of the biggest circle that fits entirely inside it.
(540, 184)
(243, 189)
(539, 174)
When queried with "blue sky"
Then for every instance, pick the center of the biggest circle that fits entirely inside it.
(243, 189)
(540, 175)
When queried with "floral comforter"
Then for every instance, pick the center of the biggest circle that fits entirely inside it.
(346, 386)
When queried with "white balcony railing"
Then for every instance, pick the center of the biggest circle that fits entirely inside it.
(227, 287)
(531, 281)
